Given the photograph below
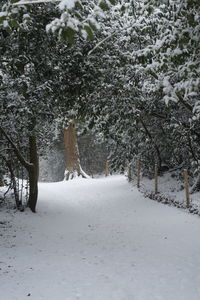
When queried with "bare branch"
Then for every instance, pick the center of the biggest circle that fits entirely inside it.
(20, 3)
(101, 42)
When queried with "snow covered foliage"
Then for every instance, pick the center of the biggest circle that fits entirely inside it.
(76, 17)
(28, 97)
(147, 102)
(42, 79)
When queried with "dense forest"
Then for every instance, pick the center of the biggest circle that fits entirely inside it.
(127, 71)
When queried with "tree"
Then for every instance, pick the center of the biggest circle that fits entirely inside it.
(149, 96)
(73, 166)
(27, 94)
(77, 17)
(38, 85)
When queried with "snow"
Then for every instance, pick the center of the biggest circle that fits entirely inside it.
(21, 2)
(99, 239)
(171, 188)
(67, 4)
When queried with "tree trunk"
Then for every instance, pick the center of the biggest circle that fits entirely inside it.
(33, 173)
(73, 167)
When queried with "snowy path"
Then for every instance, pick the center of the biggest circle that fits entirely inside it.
(99, 240)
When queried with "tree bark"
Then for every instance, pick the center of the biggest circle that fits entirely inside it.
(33, 173)
(73, 166)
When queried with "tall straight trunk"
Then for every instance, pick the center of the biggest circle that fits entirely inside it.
(33, 173)
(73, 166)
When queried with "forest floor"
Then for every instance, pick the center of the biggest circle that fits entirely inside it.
(99, 239)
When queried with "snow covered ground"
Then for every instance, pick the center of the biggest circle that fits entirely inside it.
(171, 188)
(99, 239)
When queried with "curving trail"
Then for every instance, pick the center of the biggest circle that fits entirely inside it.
(99, 239)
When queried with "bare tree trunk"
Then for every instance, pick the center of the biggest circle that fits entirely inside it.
(73, 167)
(33, 173)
